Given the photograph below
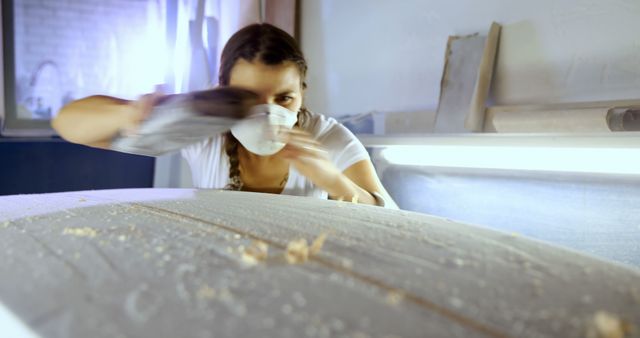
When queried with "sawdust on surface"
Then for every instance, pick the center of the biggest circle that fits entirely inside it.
(206, 292)
(608, 325)
(257, 252)
(80, 232)
(317, 244)
(298, 250)
(394, 297)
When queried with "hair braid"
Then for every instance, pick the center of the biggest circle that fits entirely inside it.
(231, 148)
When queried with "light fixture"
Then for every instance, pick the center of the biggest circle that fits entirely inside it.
(602, 153)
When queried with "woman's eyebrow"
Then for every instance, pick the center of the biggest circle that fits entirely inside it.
(286, 92)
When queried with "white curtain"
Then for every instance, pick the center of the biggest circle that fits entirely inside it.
(197, 30)
(202, 27)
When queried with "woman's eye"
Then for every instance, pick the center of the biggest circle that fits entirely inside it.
(285, 99)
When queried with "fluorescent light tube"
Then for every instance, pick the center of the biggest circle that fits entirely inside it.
(535, 158)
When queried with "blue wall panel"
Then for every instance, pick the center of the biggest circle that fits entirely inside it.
(41, 166)
(595, 214)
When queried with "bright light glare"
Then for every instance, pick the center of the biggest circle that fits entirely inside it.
(11, 326)
(578, 160)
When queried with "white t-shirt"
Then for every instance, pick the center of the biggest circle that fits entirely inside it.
(210, 164)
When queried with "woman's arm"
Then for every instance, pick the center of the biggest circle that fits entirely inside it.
(359, 182)
(363, 174)
(95, 120)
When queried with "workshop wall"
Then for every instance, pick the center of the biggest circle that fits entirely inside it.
(388, 55)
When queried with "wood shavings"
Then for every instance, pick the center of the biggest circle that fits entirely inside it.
(256, 252)
(206, 293)
(317, 244)
(297, 251)
(346, 263)
(80, 232)
(394, 297)
(607, 325)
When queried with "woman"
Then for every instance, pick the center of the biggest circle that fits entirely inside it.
(321, 157)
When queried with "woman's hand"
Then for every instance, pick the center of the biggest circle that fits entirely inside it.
(138, 111)
(309, 158)
(95, 120)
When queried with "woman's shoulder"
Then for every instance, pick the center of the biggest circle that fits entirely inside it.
(343, 146)
(330, 131)
(320, 125)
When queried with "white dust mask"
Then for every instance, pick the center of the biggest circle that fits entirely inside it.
(258, 132)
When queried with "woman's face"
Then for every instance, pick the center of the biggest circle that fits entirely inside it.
(275, 84)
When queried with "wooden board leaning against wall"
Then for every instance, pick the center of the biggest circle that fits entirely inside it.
(471, 104)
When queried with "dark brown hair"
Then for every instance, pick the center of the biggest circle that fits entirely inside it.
(271, 46)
